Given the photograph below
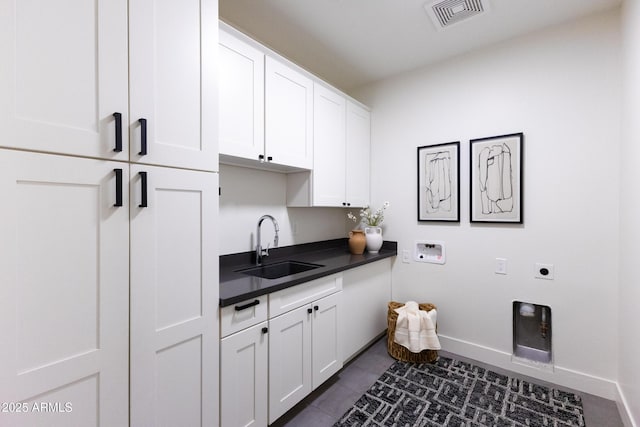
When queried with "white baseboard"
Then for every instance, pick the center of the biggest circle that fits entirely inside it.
(624, 409)
(558, 375)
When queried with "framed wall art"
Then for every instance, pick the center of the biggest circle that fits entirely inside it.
(496, 179)
(439, 182)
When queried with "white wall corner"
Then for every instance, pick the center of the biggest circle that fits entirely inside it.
(624, 408)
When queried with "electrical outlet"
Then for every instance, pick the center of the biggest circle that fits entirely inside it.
(544, 271)
(406, 256)
(501, 266)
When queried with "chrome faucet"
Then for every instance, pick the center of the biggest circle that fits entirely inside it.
(265, 252)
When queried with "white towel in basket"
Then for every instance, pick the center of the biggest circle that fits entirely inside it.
(416, 329)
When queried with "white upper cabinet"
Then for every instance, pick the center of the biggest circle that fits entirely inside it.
(241, 71)
(63, 76)
(357, 184)
(288, 116)
(173, 119)
(329, 139)
(340, 175)
(266, 107)
(77, 78)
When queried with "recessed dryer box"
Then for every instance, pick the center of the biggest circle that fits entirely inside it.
(432, 251)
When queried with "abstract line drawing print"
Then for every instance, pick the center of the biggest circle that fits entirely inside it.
(496, 179)
(438, 182)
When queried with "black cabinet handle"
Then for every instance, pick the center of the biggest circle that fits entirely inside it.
(316, 308)
(118, 202)
(265, 330)
(244, 307)
(143, 137)
(143, 188)
(118, 147)
(261, 157)
(269, 159)
(309, 310)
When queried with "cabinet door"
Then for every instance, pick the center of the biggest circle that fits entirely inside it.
(329, 111)
(366, 291)
(241, 86)
(64, 293)
(174, 297)
(358, 160)
(173, 48)
(243, 378)
(289, 360)
(327, 340)
(63, 75)
(288, 115)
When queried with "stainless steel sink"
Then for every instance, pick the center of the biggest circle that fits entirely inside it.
(279, 269)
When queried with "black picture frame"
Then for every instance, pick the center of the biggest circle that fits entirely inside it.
(496, 179)
(439, 182)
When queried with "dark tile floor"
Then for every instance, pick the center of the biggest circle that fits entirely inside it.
(326, 404)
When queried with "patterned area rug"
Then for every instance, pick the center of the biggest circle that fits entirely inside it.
(454, 393)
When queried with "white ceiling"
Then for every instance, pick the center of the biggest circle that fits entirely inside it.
(354, 42)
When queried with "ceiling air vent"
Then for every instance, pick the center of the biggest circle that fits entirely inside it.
(446, 13)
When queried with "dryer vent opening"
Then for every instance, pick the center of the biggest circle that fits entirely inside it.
(532, 331)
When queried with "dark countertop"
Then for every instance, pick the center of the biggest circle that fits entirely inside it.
(332, 255)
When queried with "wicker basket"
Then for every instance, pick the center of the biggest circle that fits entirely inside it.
(402, 353)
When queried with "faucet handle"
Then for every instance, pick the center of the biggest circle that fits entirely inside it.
(265, 252)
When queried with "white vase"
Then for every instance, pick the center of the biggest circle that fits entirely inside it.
(374, 239)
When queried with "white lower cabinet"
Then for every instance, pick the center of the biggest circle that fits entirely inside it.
(269, 366)
(366, 290)
(244, 377)
(174, 297)
(244, 367)
(305, 349)
(326, 346)
(274, 354)
(64, 290)
(107, 302)
(289, 360)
